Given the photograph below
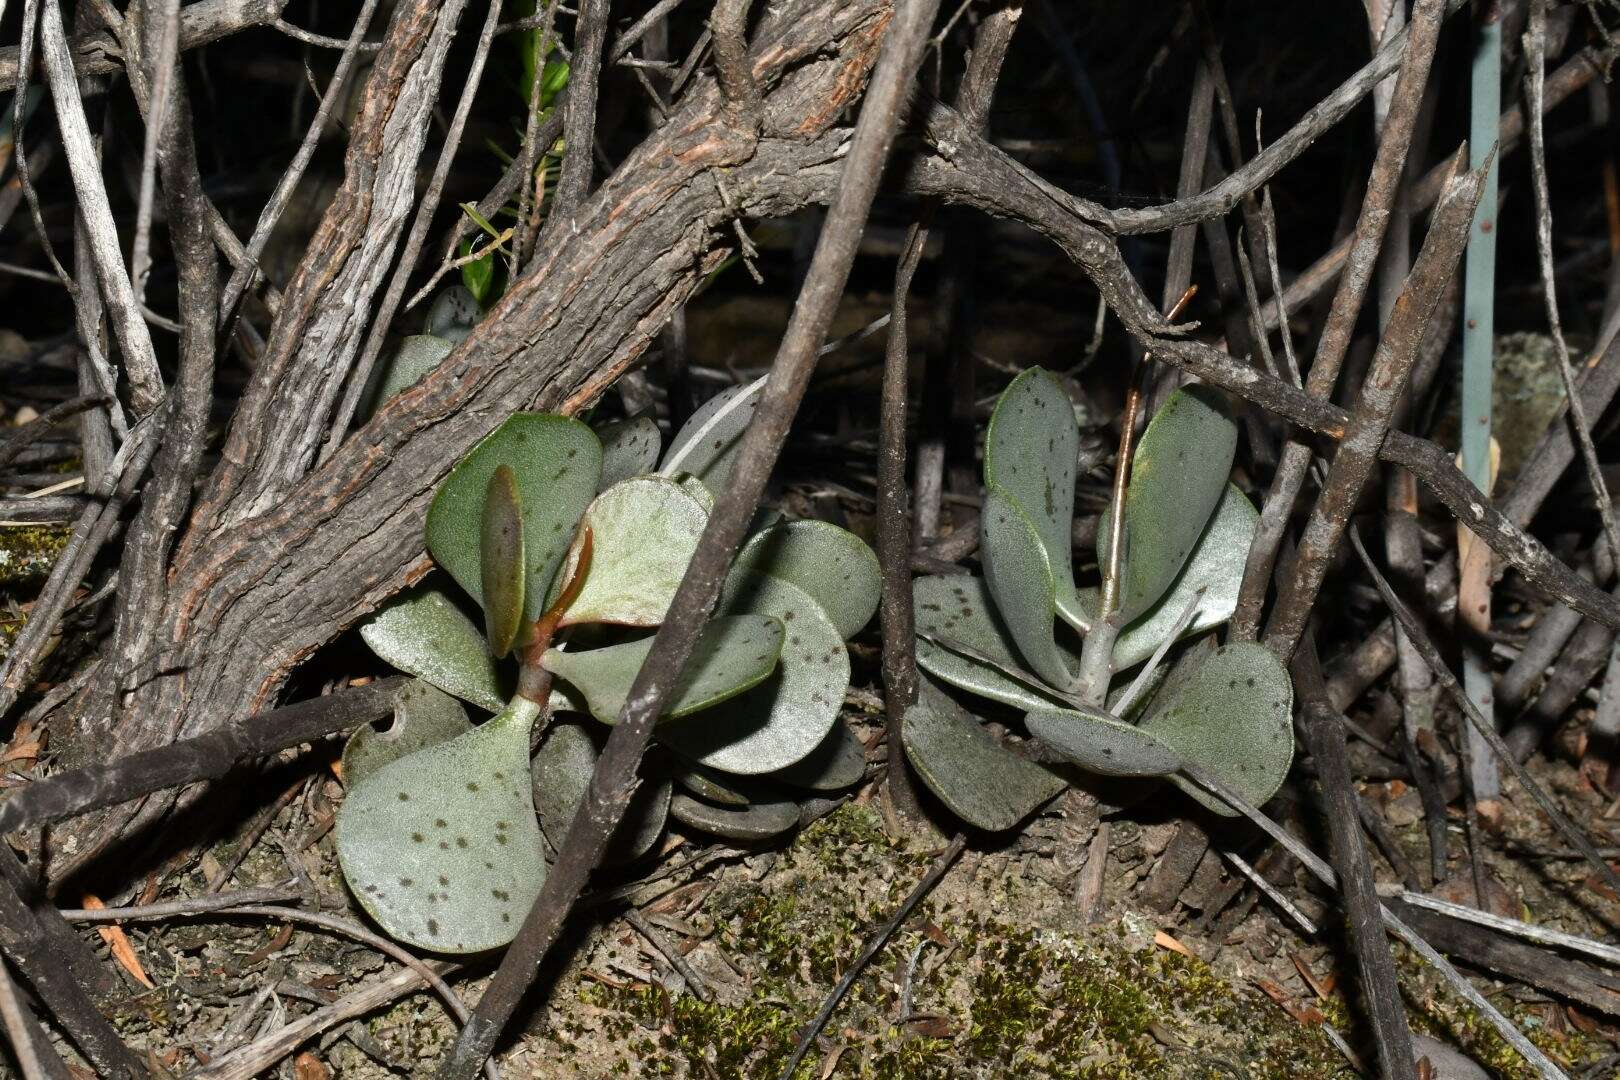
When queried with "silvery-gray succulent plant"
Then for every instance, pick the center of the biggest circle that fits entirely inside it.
(1011, 634)
(571, 543)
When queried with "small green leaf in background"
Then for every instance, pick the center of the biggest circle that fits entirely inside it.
(557, 462)
(441, 847)
(425, 634)
(424, 716)
(643, 533)
(1233, 717)
(501, 560)
(984, 783)
(733, 654)
(478, 275)
(1179, 473)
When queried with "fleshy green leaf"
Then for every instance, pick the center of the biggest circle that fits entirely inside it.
(441, 846)
(1216, 566)
(453, 314)
(1030, 452)
(1100, 744)
(832, 565)
(1230, 716)
(562, 771)
(1020, 579)
(984, 783)
(732, 655)
(629, 448)
(416, 356)
(784, 718)
(425, 634)
(759, 821)
(839, 762)
(557, 462)
(706, 446)
(714, 786)
(643, 533)
(958, 608)
(1179, 473)
(501, 560)
(424, 716)
(477, 275)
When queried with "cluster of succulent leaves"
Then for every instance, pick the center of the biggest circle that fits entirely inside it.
(1015, 635)
(549, 524)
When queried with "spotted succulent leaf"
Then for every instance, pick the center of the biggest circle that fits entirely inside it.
(441, 846)
(557, 463)
(832, 565)
(1231, 716)
(424, 633)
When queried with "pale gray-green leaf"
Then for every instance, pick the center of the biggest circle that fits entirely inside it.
(1216, 566)
(425, 634)
(416, 356)
(1100, 744)
(562, 771)
(1232, 717)
(784, 718)
(984, 783)
(629, 448)
(706, 446)
(839, 762)
(958, 608)
(557, 462)
(1019, 577)
(441, 846)
(1031, 450)
(1179, 472)
(424, 716)
(643, 533)
(733, 654)
(750, 824)
(453, 314)
(832, 565)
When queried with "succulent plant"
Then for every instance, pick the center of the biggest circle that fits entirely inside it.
(571, 544)
(1024, 635)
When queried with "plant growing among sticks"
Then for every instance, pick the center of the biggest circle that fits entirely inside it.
(572, 542)
(1172, 571)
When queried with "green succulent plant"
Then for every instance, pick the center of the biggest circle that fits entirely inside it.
(571, 543)
(1024, 635)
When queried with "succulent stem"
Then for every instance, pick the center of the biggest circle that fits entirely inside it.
(534, 681)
